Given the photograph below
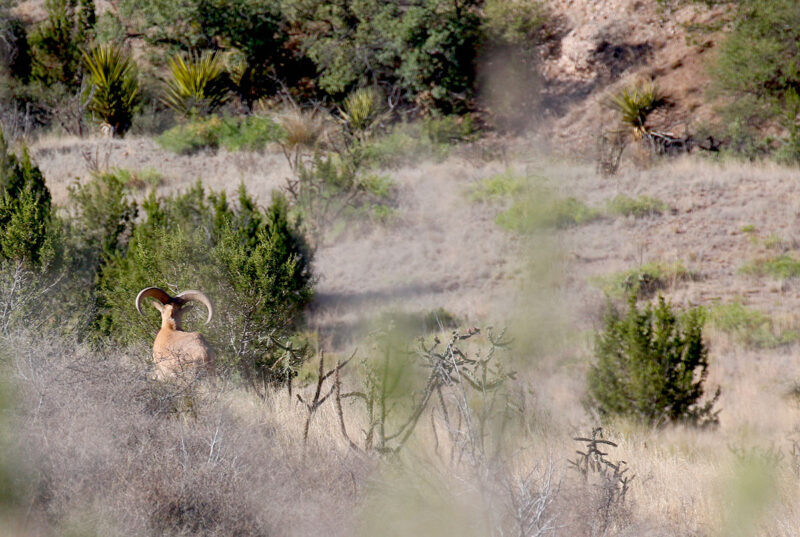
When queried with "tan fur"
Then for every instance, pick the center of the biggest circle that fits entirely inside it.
(175, 351)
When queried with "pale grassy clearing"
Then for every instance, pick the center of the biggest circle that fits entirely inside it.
(443, 249)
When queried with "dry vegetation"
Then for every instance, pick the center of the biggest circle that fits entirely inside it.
(104, 449)
(450, 336)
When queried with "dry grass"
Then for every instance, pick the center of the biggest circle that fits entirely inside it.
(118, 458)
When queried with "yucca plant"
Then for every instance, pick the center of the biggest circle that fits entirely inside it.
(361, 109)
(198, 84)
(634, 105)
(113, 91)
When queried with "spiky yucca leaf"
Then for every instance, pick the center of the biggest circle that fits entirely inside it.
(113, 88)
(361, 109)
(197, 86)
(634, 105)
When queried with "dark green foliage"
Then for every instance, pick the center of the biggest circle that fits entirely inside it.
(758, 64)
(651, 366)
(426, 49)
(251, 262)
(25, 218)
(105, 216)
(56, 44)
(15, 57)
(251, 133)
(255, 28)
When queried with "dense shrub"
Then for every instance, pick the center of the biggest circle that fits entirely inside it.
(427, 49)
(757, 66)
(651, 366)
(251, 262)
(256, 29)
(25, 218)
(56, 44)
(251, 133)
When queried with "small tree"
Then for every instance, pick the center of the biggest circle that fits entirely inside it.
(252, 263)
(57, 42)
(651, 366)
(25, 215)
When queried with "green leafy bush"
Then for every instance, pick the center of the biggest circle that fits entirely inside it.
(644, 281)
(113, 90)
(638, 207)
(427, 49)
(749, 326)
(25, 212)
(757, 67)
(56, 44)
(651, 366)
(540, 208)
(783, 266)
(499, 187)
(250, 133)
(197, 86)
(251, 262)
(450, 129)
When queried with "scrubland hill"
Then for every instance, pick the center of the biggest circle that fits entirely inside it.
(474, 296)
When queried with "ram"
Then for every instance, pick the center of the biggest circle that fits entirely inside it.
(174, 351)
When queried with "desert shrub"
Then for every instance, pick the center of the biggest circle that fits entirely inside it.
(25, 213)
(56, 44)
(197, 86)
(638, 207)
(403, 143)
(757, 65)
(250, 133)
(332, 187)
(748, 326)
(427, 50)
(255, 29)
(499, 187)
(651, 366)
(449, 129)
(251, 262)
(113, 90)
(540, 208)
(644, 281)
(783, 266)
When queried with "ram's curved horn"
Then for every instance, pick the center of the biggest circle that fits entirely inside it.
(155, 292)
(198, 296)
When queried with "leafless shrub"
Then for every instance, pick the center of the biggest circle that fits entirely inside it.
(98, 436)
(610, 146)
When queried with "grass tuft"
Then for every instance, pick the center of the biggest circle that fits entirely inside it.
(639, 207)
(782, 267)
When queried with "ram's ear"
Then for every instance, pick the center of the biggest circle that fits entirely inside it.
(157, 305)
